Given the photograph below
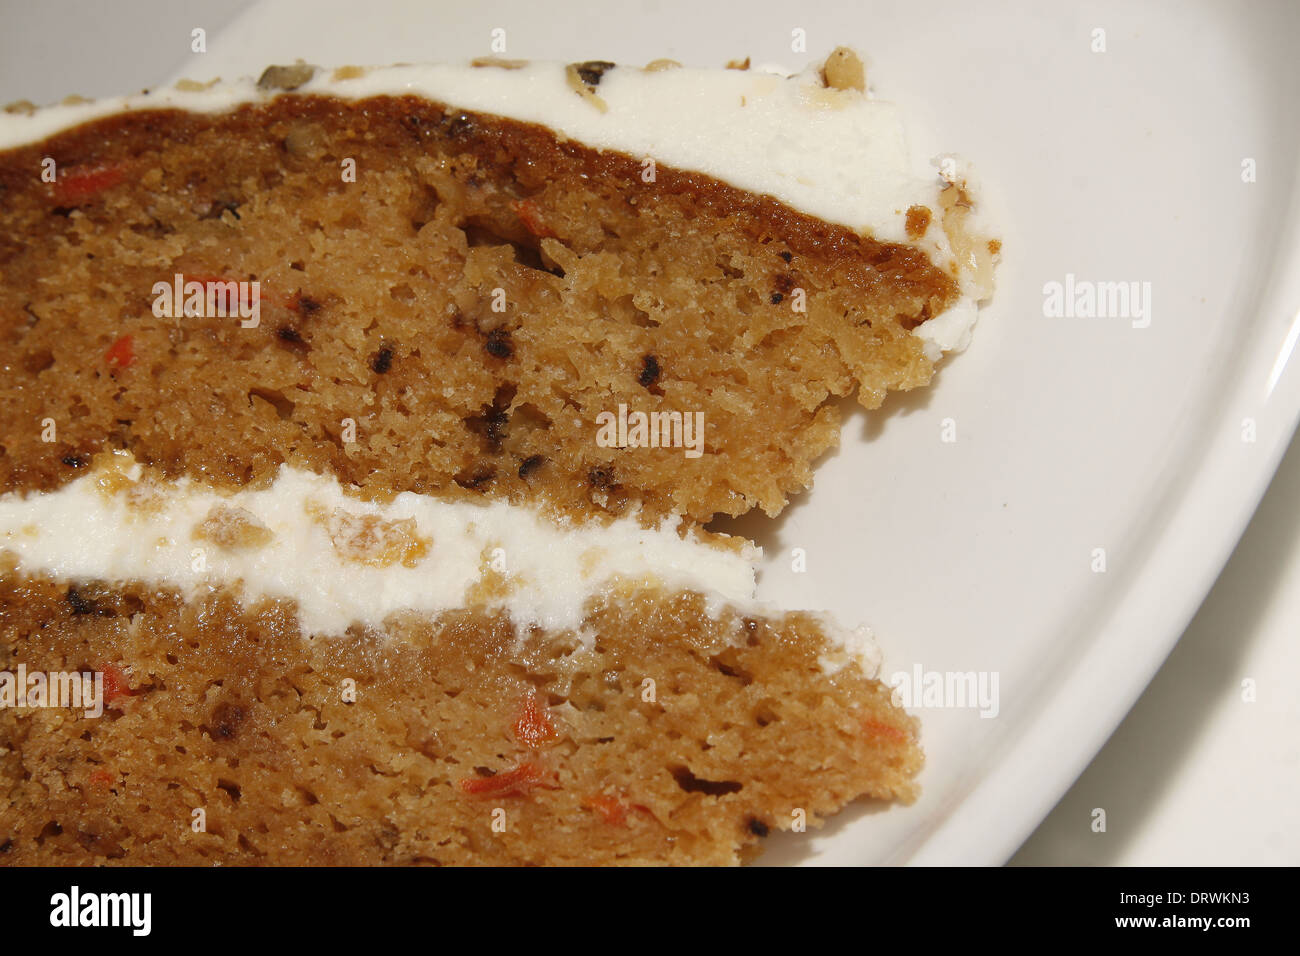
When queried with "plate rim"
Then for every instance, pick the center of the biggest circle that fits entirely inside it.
(1185, 558)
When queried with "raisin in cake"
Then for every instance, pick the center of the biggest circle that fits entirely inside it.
(359, 430)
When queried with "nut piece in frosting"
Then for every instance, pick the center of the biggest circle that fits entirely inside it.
(194, 86)
(843, 70)
(232, 529)
(583, 78)
(370, 540)
(285, 77)
(493, 585)
(499, 62)
(349, 73)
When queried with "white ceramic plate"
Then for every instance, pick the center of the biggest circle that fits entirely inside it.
(1072, 434)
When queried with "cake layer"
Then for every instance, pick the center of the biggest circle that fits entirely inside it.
(815, 141)
(485, 310)
(673, 737)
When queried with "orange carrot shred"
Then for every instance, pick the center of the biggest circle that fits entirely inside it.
(77, 184)
(533, 726)
(531, 217)
(611, 808)
(115, 684)
(876, 728)
(516, 782)
(101, 779)
(121, 353)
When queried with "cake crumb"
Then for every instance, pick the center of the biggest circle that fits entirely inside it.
(917, 221)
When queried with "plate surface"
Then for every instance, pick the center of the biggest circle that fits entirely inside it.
(1162, 160)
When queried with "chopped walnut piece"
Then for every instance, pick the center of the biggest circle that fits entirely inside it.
(285, 77)
(738, 64)
(111, 469)
(493, 586)
(974, 253)
(369, 539)
(232, 529)
(655, 66)
(592, 71)
(498, 62)
(25, 107)
(194, 86)
(575, 73)
(843, 71)
(111, 474)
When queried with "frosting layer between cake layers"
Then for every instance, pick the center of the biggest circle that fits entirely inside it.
(346, 560)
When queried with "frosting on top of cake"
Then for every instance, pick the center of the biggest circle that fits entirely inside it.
(837, 154)
(346, 560)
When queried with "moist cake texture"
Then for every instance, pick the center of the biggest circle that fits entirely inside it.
(444, 283)
(218, 708)
(442, 306)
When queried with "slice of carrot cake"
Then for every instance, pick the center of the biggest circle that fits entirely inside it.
(358, 433)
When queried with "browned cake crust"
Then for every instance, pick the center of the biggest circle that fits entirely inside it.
(376, 298)
(453, 729)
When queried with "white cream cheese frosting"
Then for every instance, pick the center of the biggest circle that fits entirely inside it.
(344, 560)
(839, 155)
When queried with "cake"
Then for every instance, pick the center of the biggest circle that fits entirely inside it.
(361, 430)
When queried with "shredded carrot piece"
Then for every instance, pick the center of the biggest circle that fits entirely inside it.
(531, 217)
(875, 728)
(516, 782)
(115, 684)
(533, 727)
(611, 808)
(76, 184)
(101, 779)
(121, 353)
